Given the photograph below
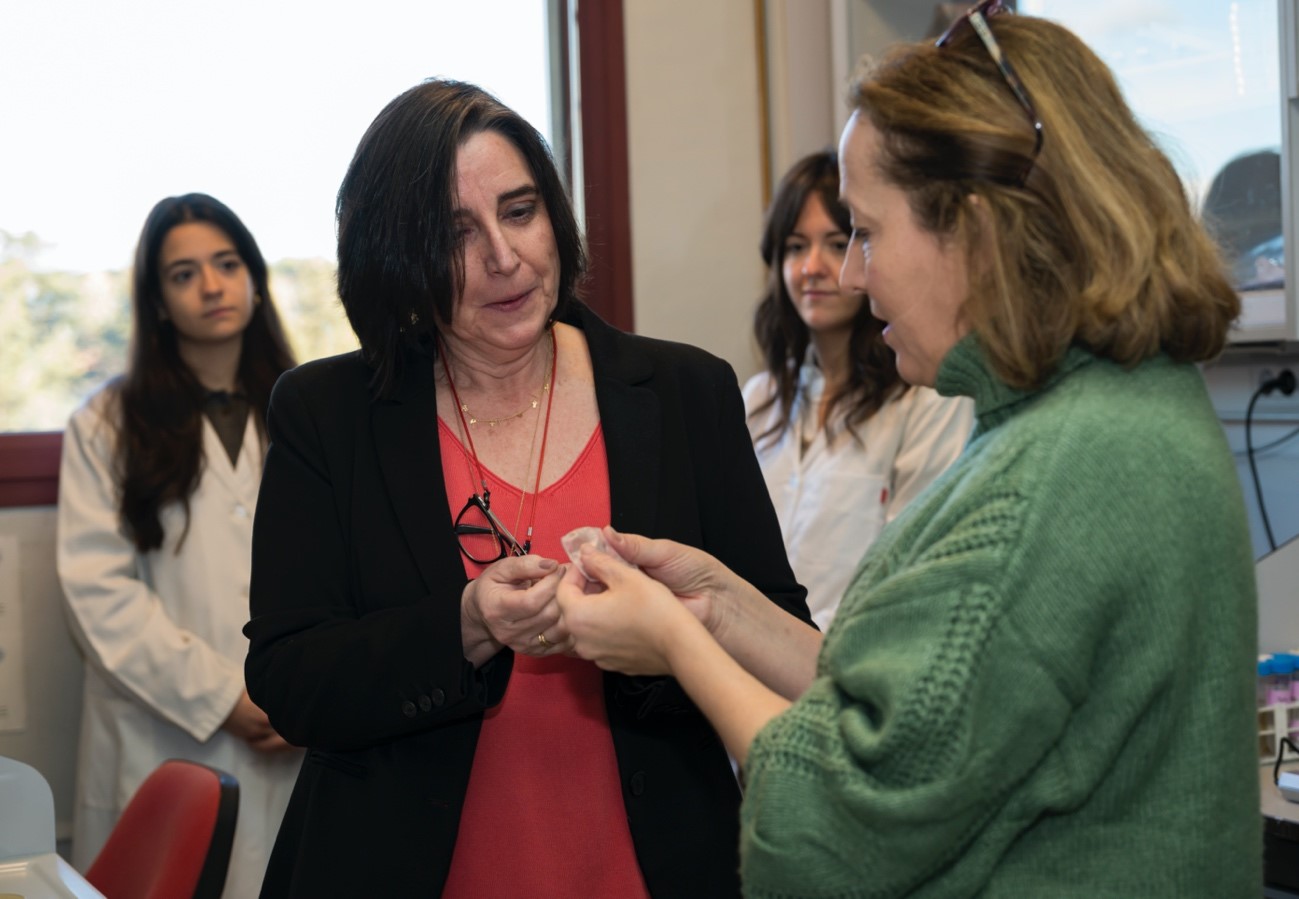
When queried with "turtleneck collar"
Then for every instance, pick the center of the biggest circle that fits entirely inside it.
(965, 372)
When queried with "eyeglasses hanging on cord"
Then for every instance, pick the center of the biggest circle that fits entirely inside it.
(1284, 382)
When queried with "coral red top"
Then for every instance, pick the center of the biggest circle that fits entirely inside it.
(544, 813)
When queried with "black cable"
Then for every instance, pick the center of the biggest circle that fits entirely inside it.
(1280, 754)
(1285, 382)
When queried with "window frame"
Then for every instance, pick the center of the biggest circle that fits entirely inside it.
(29, 461)
(29, 468)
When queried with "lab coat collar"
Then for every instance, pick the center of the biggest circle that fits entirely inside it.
(243, 479)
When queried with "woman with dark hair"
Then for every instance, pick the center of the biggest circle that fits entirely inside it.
(455, 747)
(156, 496)
(844, 443)
(1041, 679)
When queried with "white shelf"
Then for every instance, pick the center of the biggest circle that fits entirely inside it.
(1274, 722)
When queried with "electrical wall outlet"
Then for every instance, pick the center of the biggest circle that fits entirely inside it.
(1232, 382)
(1268, 374)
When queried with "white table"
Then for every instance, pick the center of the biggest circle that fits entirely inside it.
(45, 876)
(29, 866)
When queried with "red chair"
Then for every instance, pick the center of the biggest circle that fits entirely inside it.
(173, 839)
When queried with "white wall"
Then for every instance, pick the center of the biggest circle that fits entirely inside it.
(805, 101)
(696, 172)
(51, 663)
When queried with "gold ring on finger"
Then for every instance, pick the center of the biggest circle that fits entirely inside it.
(541, 638)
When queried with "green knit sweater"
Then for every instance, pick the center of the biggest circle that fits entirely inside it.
(1041, 682)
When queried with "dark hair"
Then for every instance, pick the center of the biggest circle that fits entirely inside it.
(159, 449)
(782, 336)
(400, 264)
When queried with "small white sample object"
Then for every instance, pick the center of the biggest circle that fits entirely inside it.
(575, 539)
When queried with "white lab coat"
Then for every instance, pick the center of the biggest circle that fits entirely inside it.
(834, 497)
(162, 637)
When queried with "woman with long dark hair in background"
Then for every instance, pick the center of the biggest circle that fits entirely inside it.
(158, 485)
(844, 442)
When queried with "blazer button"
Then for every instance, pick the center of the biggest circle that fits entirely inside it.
(425, 703)
(438, 696)
(638, 783)
(408, 709)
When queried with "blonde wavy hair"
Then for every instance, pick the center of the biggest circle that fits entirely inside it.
(1098, 246)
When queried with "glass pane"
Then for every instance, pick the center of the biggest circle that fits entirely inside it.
(111, 106)
(1204, 78)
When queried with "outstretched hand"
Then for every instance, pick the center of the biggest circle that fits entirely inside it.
(632, 624)
(664, 617)
(696, 579)
(768, 642)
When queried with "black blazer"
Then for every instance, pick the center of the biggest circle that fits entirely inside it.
(355, 632)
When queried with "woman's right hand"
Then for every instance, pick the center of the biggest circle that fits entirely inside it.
(768, 642)
(510, 604)
(249, 723)
(703, 584)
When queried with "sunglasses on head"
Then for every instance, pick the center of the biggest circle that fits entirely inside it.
(976, 19)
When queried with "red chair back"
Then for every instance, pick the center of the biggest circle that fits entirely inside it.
(173, 839)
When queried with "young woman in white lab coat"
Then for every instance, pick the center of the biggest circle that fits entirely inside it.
(844, 443)
(157, 489)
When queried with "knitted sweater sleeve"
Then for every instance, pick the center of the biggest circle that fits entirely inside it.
(906, 743)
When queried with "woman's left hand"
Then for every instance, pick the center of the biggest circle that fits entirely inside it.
(512, 603)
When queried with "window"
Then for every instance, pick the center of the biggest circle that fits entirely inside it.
(260, 105)
(1206, 80)
(303, 72)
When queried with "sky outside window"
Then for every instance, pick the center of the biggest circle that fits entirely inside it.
(1204, 78)
(111, 106)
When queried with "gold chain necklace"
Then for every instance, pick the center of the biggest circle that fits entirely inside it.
(533, 403)
(493, 422)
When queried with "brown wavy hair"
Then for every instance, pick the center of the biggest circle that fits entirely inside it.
(782, 336)
(159, 446)
(1098, 246)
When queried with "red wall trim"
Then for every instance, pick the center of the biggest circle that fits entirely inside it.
(29, 469)
(604, 158)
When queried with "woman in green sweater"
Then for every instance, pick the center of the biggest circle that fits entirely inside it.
(1040, 682)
